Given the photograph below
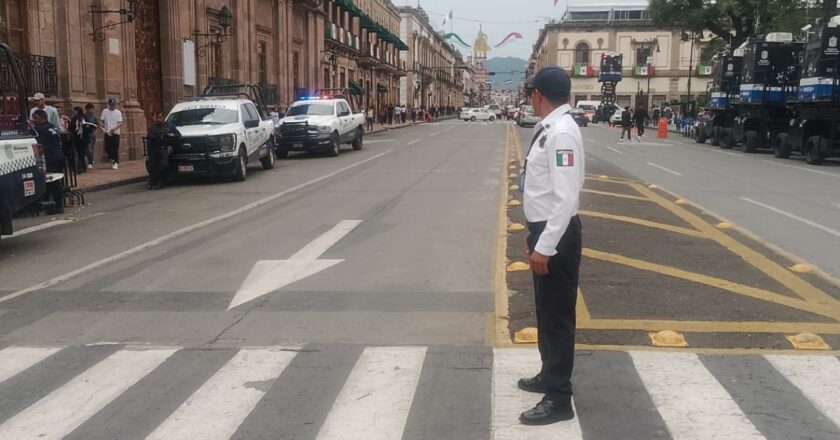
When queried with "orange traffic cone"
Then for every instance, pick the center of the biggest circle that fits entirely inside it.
(662, 133)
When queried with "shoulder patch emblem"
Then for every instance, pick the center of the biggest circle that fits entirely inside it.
(565, 158)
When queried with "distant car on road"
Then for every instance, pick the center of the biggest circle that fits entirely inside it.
(527, 118)
(321, 123)
(495, 109)
(615, 119)
(478, 114)
(580, 116)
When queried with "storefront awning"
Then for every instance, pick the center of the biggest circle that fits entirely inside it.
(355, 88)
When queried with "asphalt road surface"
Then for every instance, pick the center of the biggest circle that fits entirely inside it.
(355, 298)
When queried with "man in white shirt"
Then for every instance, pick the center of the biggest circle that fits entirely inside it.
(52, 113)
(554, 174)
(110, 122)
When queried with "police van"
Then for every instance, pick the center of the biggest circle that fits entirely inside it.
(22, 166)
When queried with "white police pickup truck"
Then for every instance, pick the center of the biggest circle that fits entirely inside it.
(22, 173)
(321, 123)
(220, 136)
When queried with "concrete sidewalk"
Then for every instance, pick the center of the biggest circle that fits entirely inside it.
(134, 171)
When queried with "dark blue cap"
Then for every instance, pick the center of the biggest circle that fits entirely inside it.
(552, 82)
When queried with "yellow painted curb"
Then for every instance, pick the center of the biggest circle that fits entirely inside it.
(667, 338)
(518, 266)
(527, 335)
(514, 187)
(514, 202)
(807, 341)
(802, 268)
(516, 227)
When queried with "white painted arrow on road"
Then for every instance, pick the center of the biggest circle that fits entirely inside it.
(270, 275)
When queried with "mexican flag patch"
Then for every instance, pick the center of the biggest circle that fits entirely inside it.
(565, 158)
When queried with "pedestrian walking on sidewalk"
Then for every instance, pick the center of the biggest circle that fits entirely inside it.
(626, 124)
(91, 125)
(370, 116)
(110, 121)
(52, 113)
(413, 115)
(397, 113)
(159, 141)
(49, 137)
(640, 118)
(402, 113)
(77, 137)
(553, 178)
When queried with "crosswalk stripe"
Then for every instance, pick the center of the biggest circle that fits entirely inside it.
(13, 360)
(63, 410)
(375, 401)
(509, 365)
(818, 377)
(217, 409)
(690, 400)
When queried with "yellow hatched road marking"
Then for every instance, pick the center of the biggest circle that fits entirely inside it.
(710, 326)
(647, 223)
(726, 285)
(581, 310)
(799, 286)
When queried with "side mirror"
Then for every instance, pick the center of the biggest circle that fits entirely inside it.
(252, 123)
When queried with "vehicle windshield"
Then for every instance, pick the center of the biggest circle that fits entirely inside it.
(587, 107)
(311, 109)
(576, 111)
(204, 116)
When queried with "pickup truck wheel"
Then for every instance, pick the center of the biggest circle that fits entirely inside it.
(750, 141)
(5, 220)
(241, 166)
(492, 118)
(268, 161)
(357, 142)
(335, 145)
(813, 150)
(781, 147)
(472, 119)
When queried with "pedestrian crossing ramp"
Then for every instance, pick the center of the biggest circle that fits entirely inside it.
(354, 392)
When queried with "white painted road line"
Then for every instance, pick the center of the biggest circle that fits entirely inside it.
(184, 231)
(509, 365)
(728, 153)
(810, 170)
(13, 360)
(615, 150)
(817, 378)
(667, 170)
(66, 408)
(376, 399)
(690, 400)
(216, 410)
(413, 142)
(816, 225)
(41, 227)
(589, 140)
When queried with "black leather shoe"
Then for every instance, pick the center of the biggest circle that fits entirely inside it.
(531, 384)
(547, 412)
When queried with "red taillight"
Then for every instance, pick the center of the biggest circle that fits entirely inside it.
(38, 151)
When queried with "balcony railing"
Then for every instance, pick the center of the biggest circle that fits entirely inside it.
(39, 72)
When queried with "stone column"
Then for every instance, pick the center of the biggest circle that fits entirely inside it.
(172, 33)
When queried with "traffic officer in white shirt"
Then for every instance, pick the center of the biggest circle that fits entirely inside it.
(554, 173)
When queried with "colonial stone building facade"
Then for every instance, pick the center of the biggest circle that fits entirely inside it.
(656, 62)
(434, 77)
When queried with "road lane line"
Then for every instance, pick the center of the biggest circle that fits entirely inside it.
(690, 400)
(41, 227)
(813, 224)
(824, 173)
(817, 378)
(183, 231)
(13, 360)
(726, 152)
(615, 150)
(216, 410)
(375, 401)
(413, 142)
(509, 365)
(66, 408)
(667, 170)
(589, 140)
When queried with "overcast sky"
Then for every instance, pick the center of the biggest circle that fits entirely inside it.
(499, 17)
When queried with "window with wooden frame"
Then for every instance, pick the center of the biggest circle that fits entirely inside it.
(13, 24)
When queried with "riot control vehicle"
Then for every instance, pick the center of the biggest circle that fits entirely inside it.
(725, 91)
(609, 76)
(814, 125)
(770, 79)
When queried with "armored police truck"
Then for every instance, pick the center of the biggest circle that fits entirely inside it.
(725, 91)
(815, 112)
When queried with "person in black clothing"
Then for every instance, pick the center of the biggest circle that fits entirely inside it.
(158, 141)
(48, 136)
(77, 138)
(656, 113)
(640, 118)
(626, 123)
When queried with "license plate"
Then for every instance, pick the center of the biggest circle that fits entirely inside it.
(185, 168)
(297, 145)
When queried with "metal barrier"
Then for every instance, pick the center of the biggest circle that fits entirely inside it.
(70, 181)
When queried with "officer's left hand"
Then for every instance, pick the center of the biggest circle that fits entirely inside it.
(539, 263)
